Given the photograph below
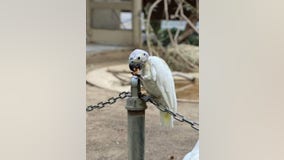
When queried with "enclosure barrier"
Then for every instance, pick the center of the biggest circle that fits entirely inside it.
(136, 106)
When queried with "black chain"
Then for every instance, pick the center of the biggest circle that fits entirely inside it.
(176, 116)
(162, 108)
(111, 100)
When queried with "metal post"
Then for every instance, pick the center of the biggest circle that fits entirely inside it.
(136, 122)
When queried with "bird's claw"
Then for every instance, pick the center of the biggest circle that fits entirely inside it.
(136, 72)
(145, 97)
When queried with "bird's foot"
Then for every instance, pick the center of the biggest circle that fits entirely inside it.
(136, 72)
(145, 97)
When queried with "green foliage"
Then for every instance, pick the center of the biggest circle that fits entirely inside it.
(193, 39)
(188, 7)
(163, 36)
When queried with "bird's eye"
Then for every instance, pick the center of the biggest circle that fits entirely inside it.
(138, 58)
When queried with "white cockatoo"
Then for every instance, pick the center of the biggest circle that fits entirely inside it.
(157, 80)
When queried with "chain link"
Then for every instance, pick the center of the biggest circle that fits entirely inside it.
(110, 101)
(162, 108)
(176, 116)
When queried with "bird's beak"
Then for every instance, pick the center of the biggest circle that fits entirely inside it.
(133, 66)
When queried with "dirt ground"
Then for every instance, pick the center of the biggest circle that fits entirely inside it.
(107, 127)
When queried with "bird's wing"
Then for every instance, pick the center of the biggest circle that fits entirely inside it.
(164, 81)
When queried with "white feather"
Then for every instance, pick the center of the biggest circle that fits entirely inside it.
(193, 154)
(158, 81)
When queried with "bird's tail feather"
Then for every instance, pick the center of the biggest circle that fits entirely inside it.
(166, 119)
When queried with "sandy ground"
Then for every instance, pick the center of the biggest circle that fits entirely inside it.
(107, 127)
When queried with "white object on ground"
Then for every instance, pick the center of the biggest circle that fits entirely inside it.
(194, 154)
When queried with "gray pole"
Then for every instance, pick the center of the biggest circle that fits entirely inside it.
(136, 122)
